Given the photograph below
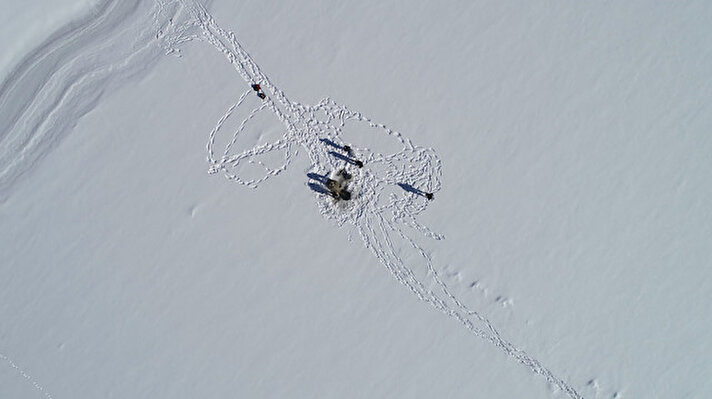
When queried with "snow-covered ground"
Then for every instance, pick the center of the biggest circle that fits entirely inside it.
(567, 144)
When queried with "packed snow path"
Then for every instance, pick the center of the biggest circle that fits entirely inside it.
(386, 190)
(42, 98)
(382, 216)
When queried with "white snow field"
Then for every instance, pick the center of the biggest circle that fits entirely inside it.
(565, 253)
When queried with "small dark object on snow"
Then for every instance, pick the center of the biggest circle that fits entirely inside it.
(409, 188)
(261, 95)
(344, 174)
(256, 87)
(334, 187)
(337, 185)
(347, 149)
(358, 163)
(332, 184)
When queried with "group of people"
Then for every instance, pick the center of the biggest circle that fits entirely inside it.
(337, 182)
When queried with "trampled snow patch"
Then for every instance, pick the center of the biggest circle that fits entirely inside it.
(571, 189)
(386, 225)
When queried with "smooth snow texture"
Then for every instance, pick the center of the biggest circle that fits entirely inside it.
(574, 156)
(30, 22)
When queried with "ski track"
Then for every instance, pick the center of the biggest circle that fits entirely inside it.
(378, 216)
(61, 80)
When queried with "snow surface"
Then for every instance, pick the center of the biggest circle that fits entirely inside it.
(567, 144)
(30, 22)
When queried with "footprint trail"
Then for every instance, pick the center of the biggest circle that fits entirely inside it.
(384, 215)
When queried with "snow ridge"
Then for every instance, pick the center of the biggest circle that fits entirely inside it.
(379, 213)
(63, 78)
